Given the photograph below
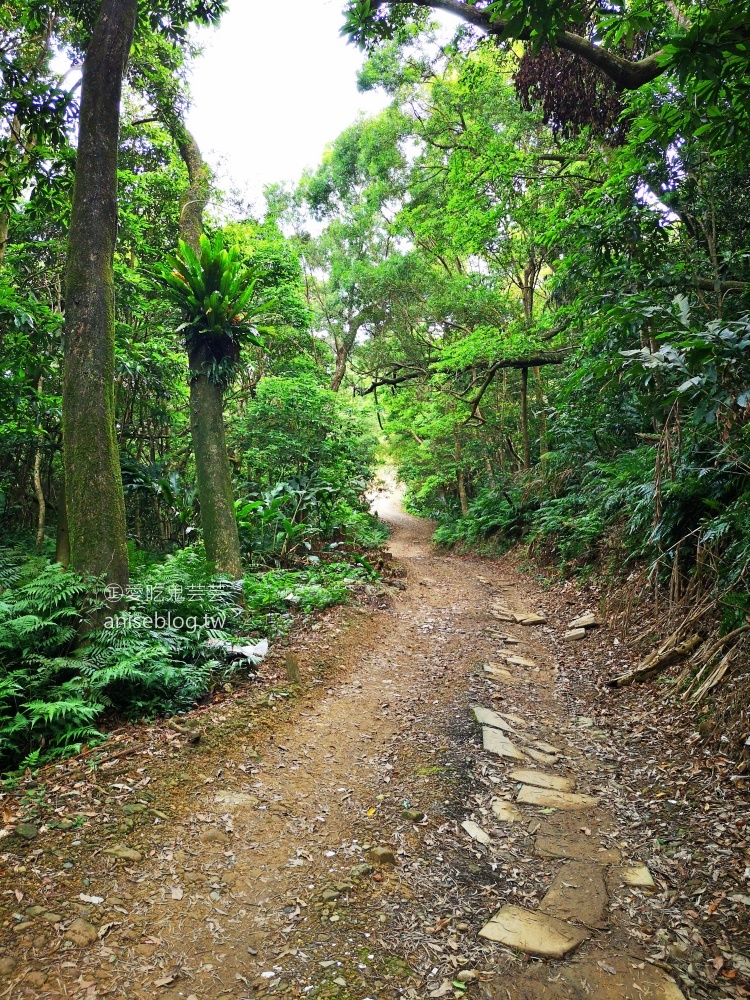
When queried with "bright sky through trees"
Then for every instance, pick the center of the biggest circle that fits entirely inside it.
(266, 104)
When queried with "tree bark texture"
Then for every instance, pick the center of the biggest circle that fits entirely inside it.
(4, 229)
(460, 477)
(543, 441)
(525, 418)
(41, 520)
(94, 495)
(214, 476)
(340, 369)
(213, 472)
(62, 539)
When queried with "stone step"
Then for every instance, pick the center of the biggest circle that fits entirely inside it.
(518, 661)
(475, 832)
(498, 673)
(540, 779)
(585, 621)
(578, 893)
(575, 847)
(573, 634)
(533, 932)
(531, 619)
(496, 742)
(636, 875)
(486, 717)
(608, 975)
(540, 757)
(506, 812)
(551, 799)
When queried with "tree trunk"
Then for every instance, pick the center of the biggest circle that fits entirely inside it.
(220, 535)
(62, 543)
(42, 511)
(4, 227)
(343, 350)
(94, 495)
(195, 197)
(460, 478)
(340, 369)
(42, 506)
(543, 444)
(214, 475)
(525, 418)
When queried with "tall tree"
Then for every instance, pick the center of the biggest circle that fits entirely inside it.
(159, 73)
(213, 472)
(93, 482)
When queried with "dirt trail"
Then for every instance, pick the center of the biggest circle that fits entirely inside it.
(252, 873)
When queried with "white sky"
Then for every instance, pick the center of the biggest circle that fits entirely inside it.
(275, 84)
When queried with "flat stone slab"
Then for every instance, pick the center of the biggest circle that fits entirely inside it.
(541, 779)
(531, 619)
(506, 812)
(575, 847)
(504, 614)
(495, 742)
(586, 621)
(607, 975)
(533, 932)
(573, 634)
(637, 875)
(514, 720)
(519, 661)
(486, 717)
(499, 673)
(124, 853)
(539, 756)
(578, 893)
(475, 832)
(546, 747)
(551, 799)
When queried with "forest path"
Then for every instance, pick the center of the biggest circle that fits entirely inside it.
(250, 872)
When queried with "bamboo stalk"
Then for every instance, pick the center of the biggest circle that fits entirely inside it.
(656, 661)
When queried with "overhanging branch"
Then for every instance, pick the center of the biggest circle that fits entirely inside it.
(626, 74)
(399, 374)
(532, 361)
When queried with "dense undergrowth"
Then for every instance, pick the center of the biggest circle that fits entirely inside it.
(645, 468)
(600, 517)
(161, 651)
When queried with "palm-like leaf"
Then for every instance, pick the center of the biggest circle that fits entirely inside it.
(218, 296)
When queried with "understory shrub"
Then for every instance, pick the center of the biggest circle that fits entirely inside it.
(695, 513)
(158, 653)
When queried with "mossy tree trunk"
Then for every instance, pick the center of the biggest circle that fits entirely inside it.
(213, 472)
(93, 482)
(460, 477)
(525, 419)
(62, 540)
(541, 403)
(4, 229)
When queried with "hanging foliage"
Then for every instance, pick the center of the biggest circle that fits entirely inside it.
(220, 301)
